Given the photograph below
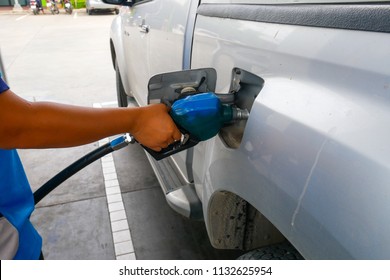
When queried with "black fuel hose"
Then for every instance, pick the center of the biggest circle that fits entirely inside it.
(84, 161)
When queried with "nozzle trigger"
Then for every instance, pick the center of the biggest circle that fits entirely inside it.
(186, 143)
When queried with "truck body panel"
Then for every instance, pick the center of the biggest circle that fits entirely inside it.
(313, 157)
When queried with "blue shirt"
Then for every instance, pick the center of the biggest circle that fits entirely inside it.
(17, 201)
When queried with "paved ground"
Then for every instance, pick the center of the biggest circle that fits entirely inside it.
(65, 58)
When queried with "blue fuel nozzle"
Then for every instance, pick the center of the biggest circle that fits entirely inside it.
(203, 115)
(199, 117)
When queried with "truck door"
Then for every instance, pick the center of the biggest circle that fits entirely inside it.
(166, 22)
(136, 41)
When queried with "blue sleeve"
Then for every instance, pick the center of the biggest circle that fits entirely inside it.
(3, 86)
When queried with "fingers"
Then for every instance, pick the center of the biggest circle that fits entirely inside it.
(176, 132)
(157, 130)
(165, 145)
(156, 149)
(176, 135)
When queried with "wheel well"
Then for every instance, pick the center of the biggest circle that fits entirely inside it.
(233, 223)
(113, 54)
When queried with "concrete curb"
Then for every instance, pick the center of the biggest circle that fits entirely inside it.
(12, 12)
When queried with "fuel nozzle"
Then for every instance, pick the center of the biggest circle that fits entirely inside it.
(203, 115)
(199, 116)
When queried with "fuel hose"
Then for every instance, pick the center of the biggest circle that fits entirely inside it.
(81, 163)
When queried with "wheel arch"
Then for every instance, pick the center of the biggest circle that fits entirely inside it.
(233, 223)
(117, 51)
(113, 54)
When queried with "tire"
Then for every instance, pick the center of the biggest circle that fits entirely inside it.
(282, 251)
(116, 11)
(120, 90)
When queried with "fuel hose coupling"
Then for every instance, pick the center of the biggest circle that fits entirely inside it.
(121, 142)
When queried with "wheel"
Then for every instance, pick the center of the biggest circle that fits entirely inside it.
(116, 11)
(282, 251)
(120, 90)
(89, 12)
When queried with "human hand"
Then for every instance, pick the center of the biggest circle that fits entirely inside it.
(155, 128)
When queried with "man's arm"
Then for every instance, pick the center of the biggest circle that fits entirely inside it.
(26, 124)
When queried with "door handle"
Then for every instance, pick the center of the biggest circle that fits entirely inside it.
(143, 28)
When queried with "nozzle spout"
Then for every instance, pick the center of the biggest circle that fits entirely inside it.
(240, 114)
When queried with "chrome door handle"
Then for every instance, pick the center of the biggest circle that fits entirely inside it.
(144, 28)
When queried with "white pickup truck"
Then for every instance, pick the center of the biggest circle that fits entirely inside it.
(311, 165)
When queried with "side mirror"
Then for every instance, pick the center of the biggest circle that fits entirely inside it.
(120, 2)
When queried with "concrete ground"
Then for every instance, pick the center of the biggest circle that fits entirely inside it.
(65, 58)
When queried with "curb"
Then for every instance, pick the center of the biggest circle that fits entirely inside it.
(11, 12)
